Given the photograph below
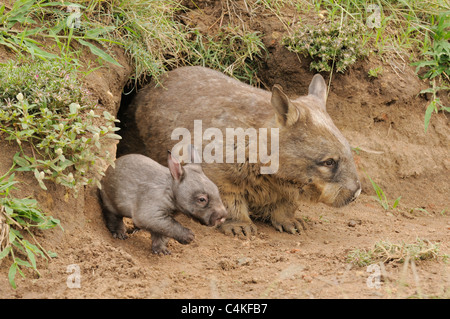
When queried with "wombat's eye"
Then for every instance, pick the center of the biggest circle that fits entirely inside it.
(203, 200)
(329, 163)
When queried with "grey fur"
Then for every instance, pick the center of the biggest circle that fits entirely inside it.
(151, 194)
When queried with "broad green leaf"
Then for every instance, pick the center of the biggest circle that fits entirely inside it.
(42, 185)
(99, 52)
(5, 252)
(12, 236)
(31, 257)
(95, 33)
(12, 275)
(7, 185)
(35, 50)
(20, 161)
(22, 262)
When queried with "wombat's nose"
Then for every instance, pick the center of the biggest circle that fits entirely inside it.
(221, 215)
(357, 192)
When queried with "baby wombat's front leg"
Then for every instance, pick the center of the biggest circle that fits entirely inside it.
(115, 224)
(159, 244)
(162, 226)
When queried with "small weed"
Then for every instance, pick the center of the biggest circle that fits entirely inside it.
(435, 105)
(386, 252)
(375, 72)
(438, 62)
(437, 65)
(381, 197)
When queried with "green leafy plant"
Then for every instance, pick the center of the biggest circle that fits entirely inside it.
(435, 105)
(437, 66)
(17, 219)
(438, 62)
(333, 45)
(375, 72)
(44, 107)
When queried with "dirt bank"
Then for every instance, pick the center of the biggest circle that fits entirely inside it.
(381, 117)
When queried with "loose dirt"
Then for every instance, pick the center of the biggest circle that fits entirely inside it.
(381, 117)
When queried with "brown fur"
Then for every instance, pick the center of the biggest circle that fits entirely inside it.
(307, 138)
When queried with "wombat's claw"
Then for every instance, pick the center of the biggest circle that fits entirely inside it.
(292, 225)
(120, 235)
(133, 230)
(240, 229)
(187, 237)
(161, 251)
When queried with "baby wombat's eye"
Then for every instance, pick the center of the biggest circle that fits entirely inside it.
(202, 200)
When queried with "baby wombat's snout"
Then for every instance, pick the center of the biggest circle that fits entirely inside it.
(213, 216)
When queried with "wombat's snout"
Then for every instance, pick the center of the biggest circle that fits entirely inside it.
(218, 216)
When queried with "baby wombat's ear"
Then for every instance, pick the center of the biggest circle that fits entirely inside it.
(175, 168)
(318, 88)
(287, 113)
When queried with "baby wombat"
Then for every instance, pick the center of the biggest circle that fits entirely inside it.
(151, 194)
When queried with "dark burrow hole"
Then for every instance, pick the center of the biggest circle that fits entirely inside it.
(131, 141)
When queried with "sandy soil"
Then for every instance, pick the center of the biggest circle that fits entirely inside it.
(382, 116)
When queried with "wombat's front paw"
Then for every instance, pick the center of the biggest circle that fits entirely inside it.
(238, 228)
(161, 250)
(290, 225)
(187, 237)
(159, 244)
(119, 235)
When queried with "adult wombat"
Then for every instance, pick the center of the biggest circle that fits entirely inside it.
(315, 159)
(150, 194)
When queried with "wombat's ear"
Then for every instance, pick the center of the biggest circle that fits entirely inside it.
(318, 88)
(175, 168)
(287, 113)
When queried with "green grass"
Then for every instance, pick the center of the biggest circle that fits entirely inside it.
(230, 51)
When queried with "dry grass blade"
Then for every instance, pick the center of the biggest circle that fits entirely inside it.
(4, 230)
(386, 252)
